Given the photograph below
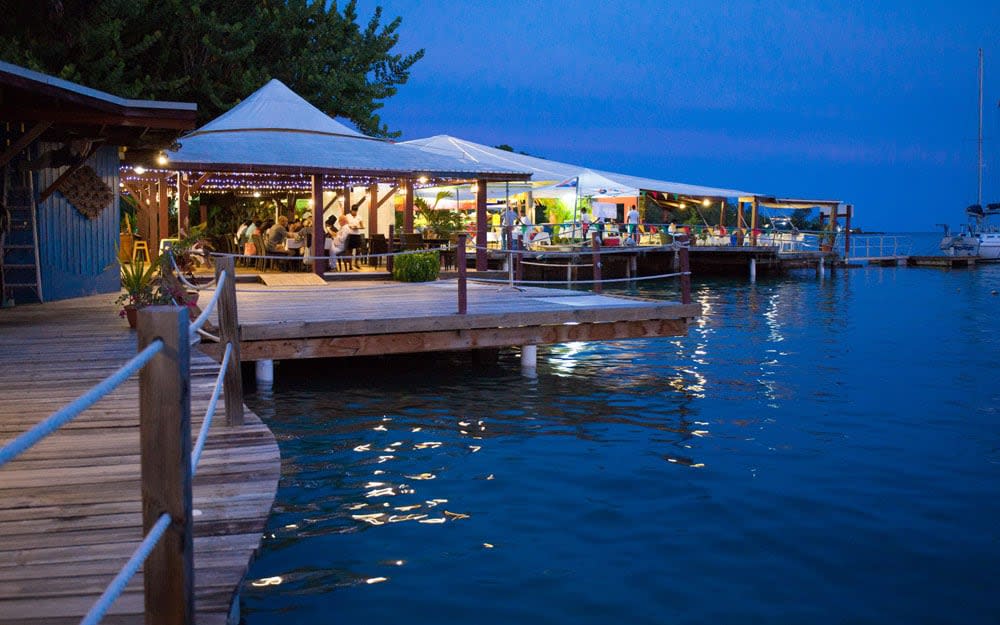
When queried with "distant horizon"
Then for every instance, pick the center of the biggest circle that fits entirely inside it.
(874, 105)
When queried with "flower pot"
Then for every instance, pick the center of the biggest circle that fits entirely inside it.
(131, 313)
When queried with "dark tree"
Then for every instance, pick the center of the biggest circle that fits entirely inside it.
(213, 52)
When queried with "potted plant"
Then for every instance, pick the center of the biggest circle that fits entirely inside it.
(141, 288)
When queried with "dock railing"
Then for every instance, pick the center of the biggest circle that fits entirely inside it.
(168, 459)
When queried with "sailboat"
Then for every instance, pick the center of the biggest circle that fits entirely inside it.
(981, 235)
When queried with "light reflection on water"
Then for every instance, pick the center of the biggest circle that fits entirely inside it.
(807, 453)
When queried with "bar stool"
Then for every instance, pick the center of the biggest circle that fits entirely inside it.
(140, 246)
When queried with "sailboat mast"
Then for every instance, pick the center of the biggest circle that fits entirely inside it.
(979, 169)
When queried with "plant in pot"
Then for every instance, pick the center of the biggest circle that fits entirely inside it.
(140, 288)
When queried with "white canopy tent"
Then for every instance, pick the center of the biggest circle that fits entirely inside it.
(274, 130)
(548, 173)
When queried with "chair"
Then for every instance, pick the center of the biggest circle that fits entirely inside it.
(260, 263)
(140, 246)
(411, 241)
(377, 244)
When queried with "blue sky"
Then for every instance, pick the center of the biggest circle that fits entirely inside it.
(869, 102)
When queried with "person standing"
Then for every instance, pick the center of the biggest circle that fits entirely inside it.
(354, 240)
(632, 221)
(507, 224)
(526, 229)
(585, 220)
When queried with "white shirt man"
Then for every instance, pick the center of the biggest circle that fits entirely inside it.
(632, 221)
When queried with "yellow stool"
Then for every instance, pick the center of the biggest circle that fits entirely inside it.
(140, 246)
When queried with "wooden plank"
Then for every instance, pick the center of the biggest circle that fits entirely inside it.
(23, 141)
(292, 279)
(371, 345)
(70, 509)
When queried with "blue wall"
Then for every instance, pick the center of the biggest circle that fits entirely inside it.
(79, 256)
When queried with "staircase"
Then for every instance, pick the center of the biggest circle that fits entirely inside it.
(20, 275)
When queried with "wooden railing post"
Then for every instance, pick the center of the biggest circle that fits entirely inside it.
(392, 247)
(229, 332)
(518, 258)
(165, 444)
(685, 270)
(463, 302)
(595, 253)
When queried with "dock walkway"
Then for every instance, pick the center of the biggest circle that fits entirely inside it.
(374, 318)
(70, 511)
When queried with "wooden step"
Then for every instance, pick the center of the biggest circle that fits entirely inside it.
(10, 266)
(18, 246)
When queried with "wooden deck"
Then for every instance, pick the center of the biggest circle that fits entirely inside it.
(70, 513)
(371, 318)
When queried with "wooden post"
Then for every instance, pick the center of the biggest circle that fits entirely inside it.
(317, 249)
(408, 207)
(165, 443)
(182, 205)
(685, 262)
(753, 222)
(595, 254)
(392, 248)
(482, 260)
(347, 199)
(163, 214)
(229, 332)
(722, 213)
(848, 208)
(518, 258)
(372, 222)
(463, 302)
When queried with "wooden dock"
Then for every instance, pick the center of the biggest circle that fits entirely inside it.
(373, 318)
(70, 512)
(951, 262)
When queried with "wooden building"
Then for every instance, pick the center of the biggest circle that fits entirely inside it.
(60, 152)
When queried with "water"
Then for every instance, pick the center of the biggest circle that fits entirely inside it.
(814, 451)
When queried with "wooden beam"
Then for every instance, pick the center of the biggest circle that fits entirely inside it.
(23, 142)
(317, 249)
(182, 205)
(195, 186)
(451, 340)
(162, 212)
(392, 192)
(482, 260)
(427, 322)
(408, 207)
(372, 210)
(44, 195)
(165, 441)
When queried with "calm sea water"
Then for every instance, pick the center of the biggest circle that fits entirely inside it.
(815, 451)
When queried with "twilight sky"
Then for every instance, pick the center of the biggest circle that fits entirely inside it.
(869, 102)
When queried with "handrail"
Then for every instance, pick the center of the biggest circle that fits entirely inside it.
(203, 317)
(118, 584)
(69, 412)
(210, 412)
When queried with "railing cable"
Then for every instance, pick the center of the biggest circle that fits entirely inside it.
(67, 413)
(118, 584)
(210, 412)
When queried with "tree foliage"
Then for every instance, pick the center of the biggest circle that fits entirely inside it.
(214, 52)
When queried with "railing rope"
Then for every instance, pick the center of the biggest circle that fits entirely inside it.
(67, 413)
(118, 584)
(229, 333)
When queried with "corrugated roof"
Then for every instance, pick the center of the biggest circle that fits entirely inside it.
(72, 87)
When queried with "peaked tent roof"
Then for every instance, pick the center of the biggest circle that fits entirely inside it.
(546, 170)
(276, 107)
(276, 131)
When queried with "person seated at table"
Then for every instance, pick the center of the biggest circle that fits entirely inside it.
(337, 233)
(540, 236)
(277, 235)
